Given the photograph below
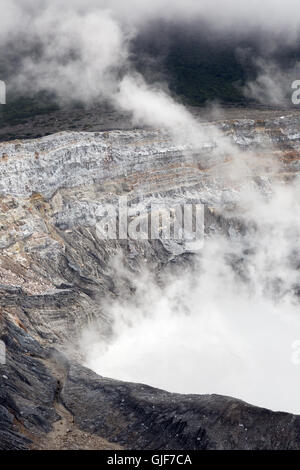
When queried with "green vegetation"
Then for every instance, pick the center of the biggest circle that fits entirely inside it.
(199, 74)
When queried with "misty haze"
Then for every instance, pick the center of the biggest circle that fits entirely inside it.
(114, 338)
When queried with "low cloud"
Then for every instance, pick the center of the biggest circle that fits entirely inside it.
(84, 53)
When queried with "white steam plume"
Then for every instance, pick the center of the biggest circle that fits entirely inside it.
(209, 331)
(83, 56)
(272, 86)
(212, 330)
(83, 46)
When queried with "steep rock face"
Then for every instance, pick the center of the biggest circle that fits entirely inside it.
(49, 402)
(31, 412)
(142, 417)
(55, 270)
(42, 393)
(54, 191)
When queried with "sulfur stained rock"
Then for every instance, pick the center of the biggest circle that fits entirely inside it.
(55, 271)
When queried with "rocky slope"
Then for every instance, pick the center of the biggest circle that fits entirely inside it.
(55, 271)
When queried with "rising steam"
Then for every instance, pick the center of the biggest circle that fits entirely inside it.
(84, 54)
(226, 325)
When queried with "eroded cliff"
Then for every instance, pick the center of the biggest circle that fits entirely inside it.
(55, 271)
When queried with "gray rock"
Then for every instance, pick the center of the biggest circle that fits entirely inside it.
(141, 417)
(55, 271)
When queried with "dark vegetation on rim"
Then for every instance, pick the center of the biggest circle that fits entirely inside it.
(197, 64)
